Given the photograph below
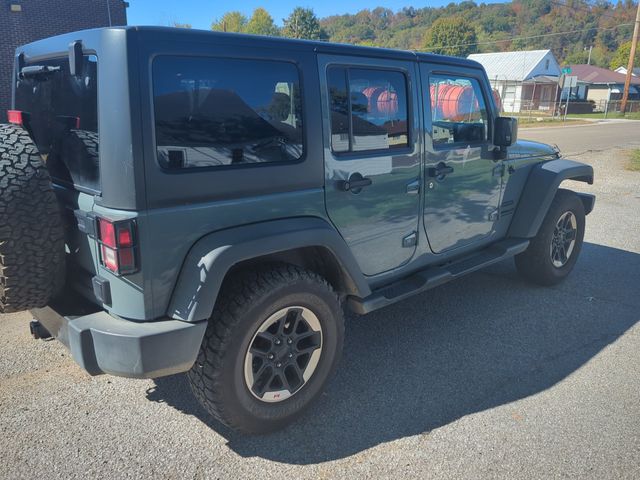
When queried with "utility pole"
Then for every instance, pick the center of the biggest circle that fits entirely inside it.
(566, 105)
(589, 60)
(632, 54)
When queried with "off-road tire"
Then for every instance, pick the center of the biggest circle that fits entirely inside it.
(246, 300)
(82, 144)
(31, 229)
(74, 157)
(535, 263)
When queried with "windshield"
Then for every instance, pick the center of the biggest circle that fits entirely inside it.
(62, 117)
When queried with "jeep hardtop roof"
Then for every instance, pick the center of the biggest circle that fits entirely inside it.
(162, 33)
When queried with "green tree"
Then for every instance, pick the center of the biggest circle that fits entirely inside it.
(578, 55)
(451, 36)
(230, 22)
(261, 23)
(621, 57)
(303, 23)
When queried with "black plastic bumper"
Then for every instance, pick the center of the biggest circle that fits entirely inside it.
(101, 343)
(588, 201)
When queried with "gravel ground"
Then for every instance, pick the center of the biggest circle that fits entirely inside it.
(484, 377)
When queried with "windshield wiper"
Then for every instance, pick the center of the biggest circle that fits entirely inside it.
(38, 72)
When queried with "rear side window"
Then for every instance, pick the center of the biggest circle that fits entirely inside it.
(458, 111)
(213, 112)
(62, 116)
(368, 109)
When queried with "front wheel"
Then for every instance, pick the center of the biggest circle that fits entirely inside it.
(272, 344)
(553, 252)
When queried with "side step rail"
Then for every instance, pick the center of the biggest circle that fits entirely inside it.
(434, 276)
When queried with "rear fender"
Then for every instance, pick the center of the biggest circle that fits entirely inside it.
(214, 255)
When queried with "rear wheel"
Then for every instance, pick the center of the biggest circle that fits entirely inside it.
(553, 253)
(272, 344)
(31, 231)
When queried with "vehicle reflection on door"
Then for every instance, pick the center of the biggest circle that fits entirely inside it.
(463, 183)
(371, 158)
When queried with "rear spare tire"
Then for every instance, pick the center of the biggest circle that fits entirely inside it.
(31, 229)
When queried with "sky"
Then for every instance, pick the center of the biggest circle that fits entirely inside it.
(200, 13)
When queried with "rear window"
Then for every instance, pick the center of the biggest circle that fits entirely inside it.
(62, 116)
(213, 112)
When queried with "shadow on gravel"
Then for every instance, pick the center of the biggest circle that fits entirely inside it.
(481, 342)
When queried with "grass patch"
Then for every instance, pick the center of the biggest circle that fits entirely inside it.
(634, 160)
(628, 116)
(524, 122)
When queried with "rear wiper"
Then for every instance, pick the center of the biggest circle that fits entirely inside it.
(37, 72)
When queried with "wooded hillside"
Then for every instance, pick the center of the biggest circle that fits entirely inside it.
(413, 28)
(568, 27)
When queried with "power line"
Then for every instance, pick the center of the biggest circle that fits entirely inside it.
(510, 39)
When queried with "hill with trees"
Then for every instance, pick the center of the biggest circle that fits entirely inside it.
(568, 27)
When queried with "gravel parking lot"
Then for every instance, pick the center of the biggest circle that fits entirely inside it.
(484, 377)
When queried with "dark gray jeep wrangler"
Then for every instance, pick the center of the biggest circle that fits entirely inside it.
(176, 201)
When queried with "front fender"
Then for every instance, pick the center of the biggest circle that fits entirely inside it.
(539, 190)
(210, 259)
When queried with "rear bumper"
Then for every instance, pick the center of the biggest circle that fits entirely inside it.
(101, 343)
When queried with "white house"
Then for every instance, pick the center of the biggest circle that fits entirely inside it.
(526, 79)
(623, 70)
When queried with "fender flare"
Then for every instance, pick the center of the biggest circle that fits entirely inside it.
(539, 191)
(211, 258)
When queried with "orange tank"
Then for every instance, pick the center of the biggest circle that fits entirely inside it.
(388, 102)
(381, 100)
(455, 102)
(497, 99)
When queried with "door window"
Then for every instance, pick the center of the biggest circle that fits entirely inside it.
(458, 111)
(368, 109)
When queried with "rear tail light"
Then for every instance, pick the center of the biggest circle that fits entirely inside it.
(18, 117)
(117, 245)
(15, 117)
(125, 238)
(107, 233)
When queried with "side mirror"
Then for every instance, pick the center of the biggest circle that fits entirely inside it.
(505, 131)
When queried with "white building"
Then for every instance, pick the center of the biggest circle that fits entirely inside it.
(623, 70)
(524, 80)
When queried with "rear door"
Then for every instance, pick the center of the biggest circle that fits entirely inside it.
(371, 150)
(462, 177)
(61, 112)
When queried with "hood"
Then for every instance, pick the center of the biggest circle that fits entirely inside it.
(526, 149)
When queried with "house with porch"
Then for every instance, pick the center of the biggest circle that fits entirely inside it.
(524, 80)
(602, 86)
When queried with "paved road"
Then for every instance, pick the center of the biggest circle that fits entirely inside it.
(485, 377)
(595, 137)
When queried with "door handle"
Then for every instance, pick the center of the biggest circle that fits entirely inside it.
(440, 171)
(355, 183)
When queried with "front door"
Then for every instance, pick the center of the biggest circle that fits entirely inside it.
(372, 157)
(462, 178)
